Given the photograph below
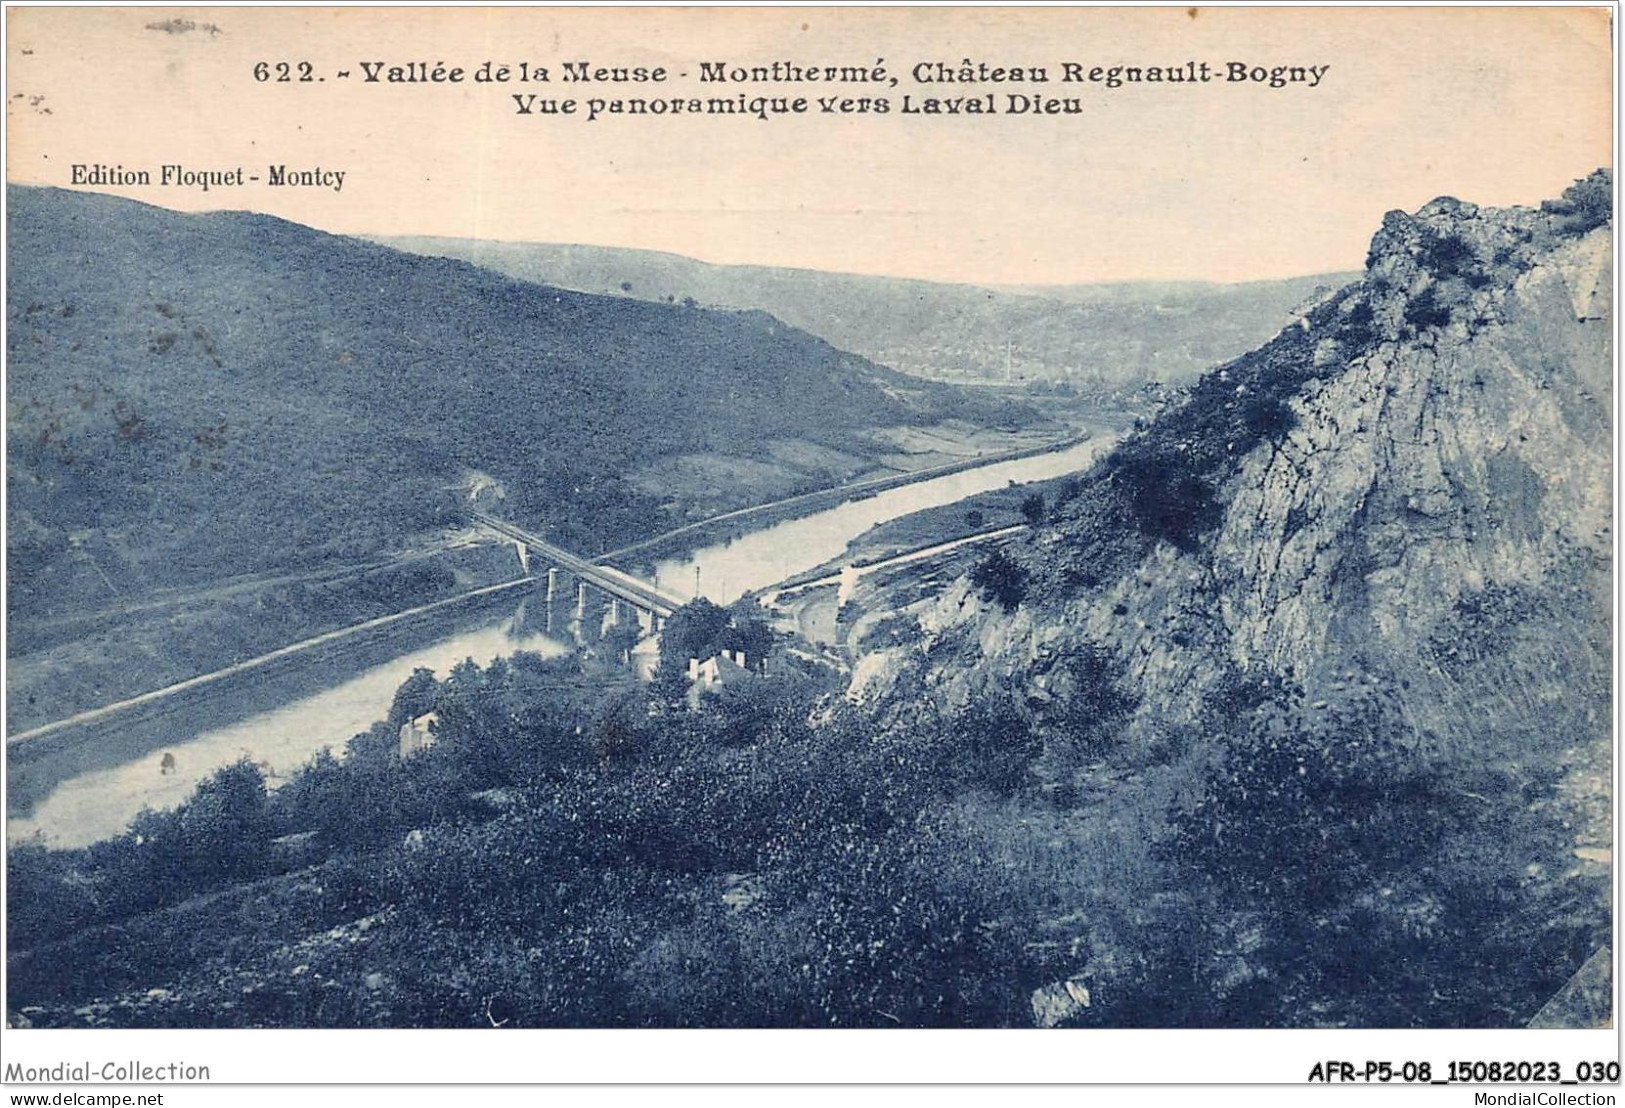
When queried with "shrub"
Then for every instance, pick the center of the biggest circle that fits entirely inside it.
(1001, 580)
(44, 897)
(415, 697)
(1032, 509)
(1358, 326)
(1584, 205)
(1167, 499)
(1425, 311)
(1087, 720)
(225, 828)
(1325, 834)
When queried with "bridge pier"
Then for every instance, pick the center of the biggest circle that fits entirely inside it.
(647, 601)
(552, 595)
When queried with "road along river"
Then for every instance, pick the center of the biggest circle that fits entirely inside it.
(321, 701)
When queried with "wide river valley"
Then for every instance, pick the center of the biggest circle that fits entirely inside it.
(99, 801)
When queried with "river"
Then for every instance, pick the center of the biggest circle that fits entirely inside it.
(763, 558)
(100, 802)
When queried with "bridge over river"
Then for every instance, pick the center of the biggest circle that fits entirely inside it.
(83, 777)
(652, 603)
(643, 596)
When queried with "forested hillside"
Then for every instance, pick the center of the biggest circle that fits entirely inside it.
(192, 396)
(1097, 338)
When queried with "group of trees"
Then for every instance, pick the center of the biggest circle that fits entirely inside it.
(739, 866)
(519, 722)
(702, 628)
(589, 856)
(621, 817)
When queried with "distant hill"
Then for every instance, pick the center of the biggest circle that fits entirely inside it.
(191, 396)
(1106, 335)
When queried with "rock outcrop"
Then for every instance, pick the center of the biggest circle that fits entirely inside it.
(1447, 454)
(1352, 586)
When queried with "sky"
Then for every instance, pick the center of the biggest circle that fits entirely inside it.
(1222, 181)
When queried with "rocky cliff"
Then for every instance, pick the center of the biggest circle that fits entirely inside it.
(1434, 442)
(1382, 543)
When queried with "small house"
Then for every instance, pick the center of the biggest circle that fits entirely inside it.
(418, 734)
(721, 668)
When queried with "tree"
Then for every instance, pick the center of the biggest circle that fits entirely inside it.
(1001, 579)
(1586, 204)
(415, 697)
(1328, 833)
(622, 637)
(694, 631)
(745, 709)
(749, 632)
(1032, 509)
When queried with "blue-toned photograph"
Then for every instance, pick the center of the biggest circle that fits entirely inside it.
(688, 561)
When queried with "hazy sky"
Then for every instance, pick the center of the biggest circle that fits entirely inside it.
(1219, 181)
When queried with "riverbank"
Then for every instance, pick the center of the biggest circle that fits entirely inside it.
(131, 730)
(247, 697)
(731, 525)
(979, 515)
(59, 671)
(78, 662)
